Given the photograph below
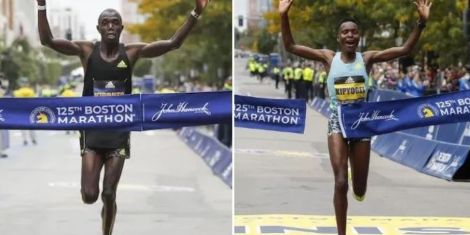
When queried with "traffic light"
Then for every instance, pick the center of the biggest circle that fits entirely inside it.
(240, 21)
(466, 23)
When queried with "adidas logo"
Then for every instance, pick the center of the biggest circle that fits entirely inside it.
(349, 80)
(122, 64)
(110, 85)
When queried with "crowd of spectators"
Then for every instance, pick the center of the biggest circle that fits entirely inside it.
(416, 80)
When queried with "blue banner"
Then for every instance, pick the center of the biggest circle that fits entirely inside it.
(446, 160)
(190, 109)
(409, 150)
(217, 156)
(270, 114)
(120, 112)
(365, 119)
(128, 112)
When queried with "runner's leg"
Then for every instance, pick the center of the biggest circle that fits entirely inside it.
(91, 168)
(112, 174)
(338, 149)
(359, 160)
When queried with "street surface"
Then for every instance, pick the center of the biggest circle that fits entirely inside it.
(286, 180)
(165, 188)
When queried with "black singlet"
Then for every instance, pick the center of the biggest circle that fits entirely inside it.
(104, 78)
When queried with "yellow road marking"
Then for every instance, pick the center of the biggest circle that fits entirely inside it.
(358, 225)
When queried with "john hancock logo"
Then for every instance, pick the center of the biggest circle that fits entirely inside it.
(42, 115)
(182, 107)
(427, 111)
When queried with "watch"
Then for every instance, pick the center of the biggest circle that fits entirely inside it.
(194, 14)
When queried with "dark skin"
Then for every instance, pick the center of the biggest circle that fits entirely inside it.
(357, 152)
(110, 27)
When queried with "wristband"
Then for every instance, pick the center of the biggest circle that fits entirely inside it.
(420, 24)
(41, 8)
(194, 14)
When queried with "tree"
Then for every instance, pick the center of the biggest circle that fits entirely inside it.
(208, 49)
(142, 67)
(382, 22)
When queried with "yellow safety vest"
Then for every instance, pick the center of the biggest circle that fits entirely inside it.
(322, 77)
(298, 73)
(308, 74)
(288, 73)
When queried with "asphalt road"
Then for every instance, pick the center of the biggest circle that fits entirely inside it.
(282, 173)
(165, 189)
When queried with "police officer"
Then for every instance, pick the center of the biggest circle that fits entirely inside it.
(288, 74)
(308, 75)
(276, 72)
(299, 83)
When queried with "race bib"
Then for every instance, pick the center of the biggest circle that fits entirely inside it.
(108, 88)
(350, 88)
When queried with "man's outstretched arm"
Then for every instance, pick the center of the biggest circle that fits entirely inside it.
(158, 48)
(45, 34)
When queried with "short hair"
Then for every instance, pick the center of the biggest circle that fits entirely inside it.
(348, 19)
(109, 10)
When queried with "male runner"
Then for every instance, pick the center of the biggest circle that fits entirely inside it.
(108, 71)
(347, 82)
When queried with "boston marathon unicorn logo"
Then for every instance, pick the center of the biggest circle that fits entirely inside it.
(42, 115)
(427, 111)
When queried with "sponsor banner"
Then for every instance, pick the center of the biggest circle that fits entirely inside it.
(322, 106)
(365, 119)
(360, 225)
(408, 150)
(188, 109)
(123, 112)
(417, 147)
(270, 114)
(127, 112)
(446, 160)
(458, 133)
(217, 156)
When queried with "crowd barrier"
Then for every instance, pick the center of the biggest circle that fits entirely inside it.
(216, 155)
(441, 150)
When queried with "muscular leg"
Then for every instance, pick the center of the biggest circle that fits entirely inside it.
(359, 160)
(338, 149)
(112, 174)
(91, 168)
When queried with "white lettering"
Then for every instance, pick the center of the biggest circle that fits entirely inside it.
(376, 115)
(182, 107)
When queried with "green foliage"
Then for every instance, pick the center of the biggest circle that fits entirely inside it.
(38, 65)
(266, 41)
(23, 55)
(142, 67)
(314, 23)
(208, 48)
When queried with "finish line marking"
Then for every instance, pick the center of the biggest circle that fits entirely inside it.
(358, 225)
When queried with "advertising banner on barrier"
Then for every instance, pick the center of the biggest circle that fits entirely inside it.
(127, 112)
(270, 114)
(367, 119)
(191, 109)
(417, 148)
(446, 160)
(119, 112)
(217, 156)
